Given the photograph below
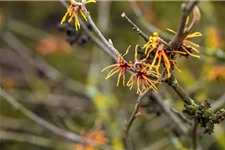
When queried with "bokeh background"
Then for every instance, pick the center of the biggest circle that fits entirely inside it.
(55, 72)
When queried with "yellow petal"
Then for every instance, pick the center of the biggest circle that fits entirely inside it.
(174, 32)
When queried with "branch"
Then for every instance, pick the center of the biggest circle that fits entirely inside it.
(167, 111)
(181, 115)
(106, 46)
(32, 139)
(179, 90)
(145, 23)
(42, 122)
(133, 116)
(92, 36)
(196, 136)
(98, 32)
(201, 112)
(135, 27)
(40, 63)
(135, 111)
(139, 31)
(182, 32)
(160, 144)
(218, 103)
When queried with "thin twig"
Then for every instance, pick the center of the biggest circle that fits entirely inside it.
(135, 111)
(145, 23)
(158, 144)
(40, 63)
(42, 122)
(98, 42)
(135, 27)
(218, 103)
(139, 31)
(33, 139)
(25, 29)
(166, 109)
(196, 136)
(98, 32)
(133, 116)
(105, 45)
(178, 113)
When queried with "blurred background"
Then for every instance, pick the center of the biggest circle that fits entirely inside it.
(54, 72)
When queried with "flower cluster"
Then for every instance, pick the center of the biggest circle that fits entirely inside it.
(158, 58)
(73, 10)
(140, 72)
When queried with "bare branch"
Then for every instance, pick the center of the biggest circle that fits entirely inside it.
(166, 109)
(139, 31)
(219, 103)
(32, 139)
(145, 23)
(42, 122)
(195, 20)
(135, 27)
(98, 32)
(181, 32)
(40, 63)
(196, 136)
(133, 116)
(135, 112)
(93, 37)
(160, 144)
(181, 115)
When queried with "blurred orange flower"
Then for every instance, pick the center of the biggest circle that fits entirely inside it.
(213, 38)
(8, 84)
(217, 72)
(98, 136)
(51, 44)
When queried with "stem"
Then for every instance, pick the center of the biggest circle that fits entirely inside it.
(180, 36)
(133, 116)
(196, 136)
(135, 27)
(167, 111)
(179, 90)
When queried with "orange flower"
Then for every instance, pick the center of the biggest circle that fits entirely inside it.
(142, 76)
(120, 67)
(52, 44)
(98, 136)
(153, 43)
(9, 84)
(217, 72)
(73, 11)
(187, 45)
(162, 55)
(143, 82)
